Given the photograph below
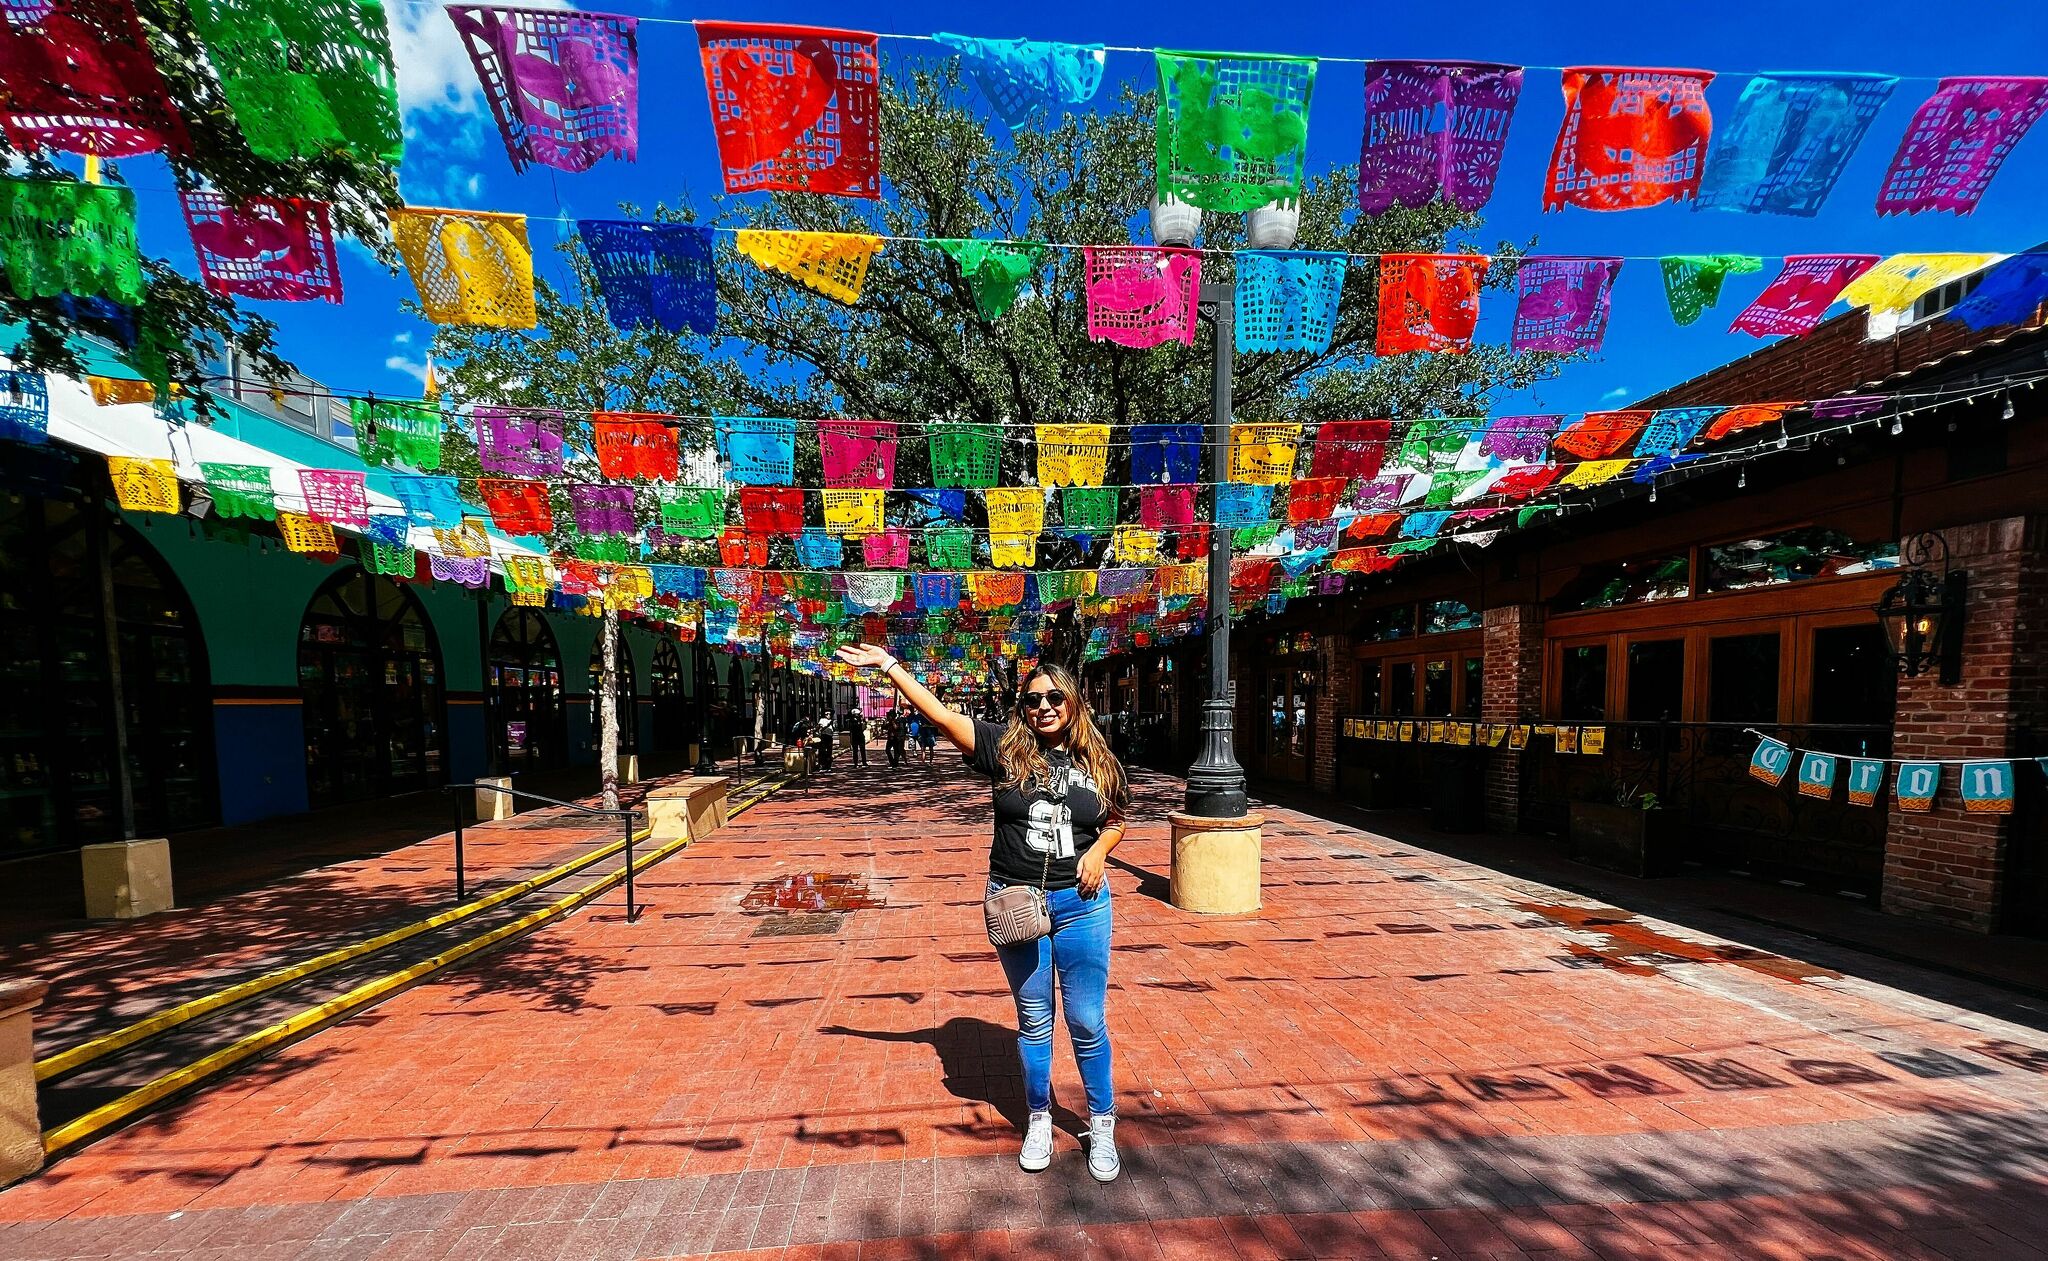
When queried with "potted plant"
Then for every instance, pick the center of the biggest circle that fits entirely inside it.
(1631, 834)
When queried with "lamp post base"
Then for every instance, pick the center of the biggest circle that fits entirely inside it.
(1216, 863)
(1216, 782)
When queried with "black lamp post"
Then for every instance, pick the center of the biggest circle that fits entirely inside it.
(1922, 614)
(1216, 781)
(707, 683)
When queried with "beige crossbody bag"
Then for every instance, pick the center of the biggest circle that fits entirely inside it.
(1020, 913)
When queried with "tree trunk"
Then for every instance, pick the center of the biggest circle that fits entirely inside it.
(608, 709)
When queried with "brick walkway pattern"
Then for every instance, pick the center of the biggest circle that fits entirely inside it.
(1401, 1055)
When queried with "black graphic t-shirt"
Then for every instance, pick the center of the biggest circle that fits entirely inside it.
(1030, 825)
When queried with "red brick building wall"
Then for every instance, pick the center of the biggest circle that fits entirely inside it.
(1513, 693)
(1339, 693)
(1947, 865)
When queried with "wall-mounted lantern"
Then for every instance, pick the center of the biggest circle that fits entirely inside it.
(1922, 614)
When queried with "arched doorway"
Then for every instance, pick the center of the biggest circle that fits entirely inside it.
(526, 719)
(622, 699)
(370, 676)
(59, 783)
(675, 717)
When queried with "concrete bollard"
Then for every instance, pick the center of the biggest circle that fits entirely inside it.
(126, 879)
(495, 805)
(693, 807)
(21, 1130)
(1216, 863)
(629, 768)
(796, 761)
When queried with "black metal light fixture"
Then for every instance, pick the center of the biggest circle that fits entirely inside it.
(1922, 614)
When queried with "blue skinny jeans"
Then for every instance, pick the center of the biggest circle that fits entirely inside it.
(1077, 953)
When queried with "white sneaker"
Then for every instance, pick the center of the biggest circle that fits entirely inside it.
(1102, 1158)
(1037, 1153)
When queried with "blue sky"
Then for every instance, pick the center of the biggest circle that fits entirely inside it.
(455, 158)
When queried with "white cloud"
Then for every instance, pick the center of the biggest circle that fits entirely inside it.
(448, 127)
(1618, 392)
(399, 363)
(434, 70)
(435, 181)
(401, 339)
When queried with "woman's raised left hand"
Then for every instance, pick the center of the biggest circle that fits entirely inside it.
(1088, 873)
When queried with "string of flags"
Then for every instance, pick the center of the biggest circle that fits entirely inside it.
(795, 108)
(1148, 585)
(1982, 785)
(1351, 493)
(1565, 737)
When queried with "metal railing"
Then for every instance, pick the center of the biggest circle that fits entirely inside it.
(624, 815)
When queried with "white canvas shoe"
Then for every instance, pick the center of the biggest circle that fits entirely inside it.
(1102, 1158)
(1037, 1153)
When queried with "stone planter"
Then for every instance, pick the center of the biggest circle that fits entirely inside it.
(1627, 839)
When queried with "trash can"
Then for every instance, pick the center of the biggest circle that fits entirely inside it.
(1457, 789)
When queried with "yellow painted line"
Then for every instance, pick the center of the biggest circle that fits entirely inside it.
(115, 1111)
(77, 1057)
(106, 1044)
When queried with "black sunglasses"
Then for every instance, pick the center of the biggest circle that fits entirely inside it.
(1039, 700)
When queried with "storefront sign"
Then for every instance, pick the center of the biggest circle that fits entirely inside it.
(1770, 761)
(1817, 775)
(1916, 785)
(1987, 787)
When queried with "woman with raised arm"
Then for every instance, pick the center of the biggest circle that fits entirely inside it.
(1060, 798)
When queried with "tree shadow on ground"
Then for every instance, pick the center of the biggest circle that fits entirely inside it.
(1714, 905)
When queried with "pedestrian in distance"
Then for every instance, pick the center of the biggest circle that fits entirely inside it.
(1060, 803)
(826, 737)
(928, 740)
(897, 735)
(857, 727)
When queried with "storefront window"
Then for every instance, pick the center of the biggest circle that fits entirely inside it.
(1436, 689)
(1794, 556)
(1629, 582)
(1475, 681)
(1656, 680)
(1582, 684)
(1854, 687)
(1369, 688)
(58, 771)
(1382, 625)
(370, 681)
(1440, 616)
(1401, 689)
(1742, 679)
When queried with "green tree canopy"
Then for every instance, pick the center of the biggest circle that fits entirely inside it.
(178, 318)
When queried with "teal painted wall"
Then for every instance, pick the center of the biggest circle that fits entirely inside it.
(250, 596)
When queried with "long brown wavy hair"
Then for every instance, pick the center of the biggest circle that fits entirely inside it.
(1021, 758)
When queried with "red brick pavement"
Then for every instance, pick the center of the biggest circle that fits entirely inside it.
(1401, 1055)
(104, 974)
